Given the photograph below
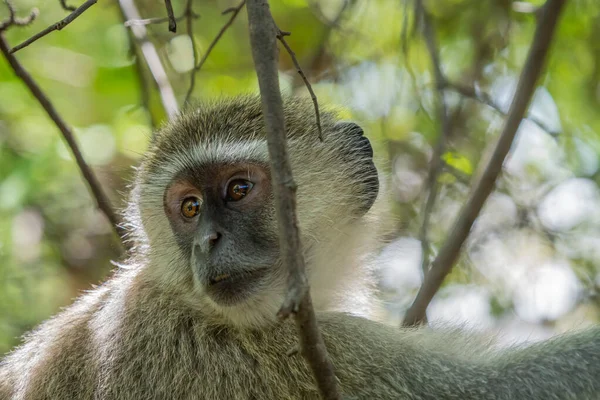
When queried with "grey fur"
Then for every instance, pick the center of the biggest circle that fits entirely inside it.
(150, 333)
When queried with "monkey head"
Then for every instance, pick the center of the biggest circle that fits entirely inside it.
(204, 203)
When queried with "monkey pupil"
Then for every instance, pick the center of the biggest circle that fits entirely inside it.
(239, 189)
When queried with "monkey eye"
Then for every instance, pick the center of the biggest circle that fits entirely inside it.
(190, 207)
(237, 189)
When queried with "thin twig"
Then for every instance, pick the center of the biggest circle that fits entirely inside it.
(263, 40)
(140, 69)
(101, 199)
(167, 95)
(14, 20)
(486, 99)
(152, 21)
(330, 26)
(65, 6)
(435, 166)
(171, 16)
(234, 11)
(190, 32)
(57, 26)
(281, 36)
(527, 83)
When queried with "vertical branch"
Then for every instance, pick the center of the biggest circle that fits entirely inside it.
(167, 95)
(448, 254)
(140, 71)
(101, 199)
(435, 165)
(263, 39)
(171, 16)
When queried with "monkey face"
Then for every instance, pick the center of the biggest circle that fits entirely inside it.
(204, 206)
(221, 216)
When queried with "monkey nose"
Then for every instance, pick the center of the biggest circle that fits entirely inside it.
(212, 239)
(208, 241)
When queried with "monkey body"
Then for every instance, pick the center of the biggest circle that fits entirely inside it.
(192, 314)
(143, 353)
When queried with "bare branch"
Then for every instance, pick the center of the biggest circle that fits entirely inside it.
(281, 36)
(14, 20)
(234, 11)
(153, 21)
(57, 26)
(101, 199)
(263, 40)
(171, 16)
(64, 5)
(435, 166)
(527, 83)
(486, 99)
(167, 95)
(330, 27)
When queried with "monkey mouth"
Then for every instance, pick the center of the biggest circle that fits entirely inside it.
(227, 289)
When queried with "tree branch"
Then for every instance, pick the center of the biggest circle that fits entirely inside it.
(101, 199)
(435, 166)
(281, 36)
(167, 95)
(57, 26)
(527, 83)
(234, 12)
(13, 20)
(65, 6)
(151, 21)
(263, 39)
(171, 16)
(486, 99)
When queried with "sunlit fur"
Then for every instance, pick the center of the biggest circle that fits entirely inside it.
(148, 333)
(337, 241)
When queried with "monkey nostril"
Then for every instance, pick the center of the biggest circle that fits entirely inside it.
(213, 238)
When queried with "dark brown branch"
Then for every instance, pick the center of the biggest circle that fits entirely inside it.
(171, 16)
(281, 36)
(14, 20)
(435, 166)
(65, 6)
(190, 32)
(101, 199)
(167, 95)
(57, 26)
(234, 11)
(527, 83)
(263, 40)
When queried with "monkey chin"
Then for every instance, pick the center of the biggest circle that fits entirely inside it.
(231, 289)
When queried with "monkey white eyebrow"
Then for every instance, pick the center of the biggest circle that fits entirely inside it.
(227, 152)
(212, 153)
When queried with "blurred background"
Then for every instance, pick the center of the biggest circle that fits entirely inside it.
(530, 268)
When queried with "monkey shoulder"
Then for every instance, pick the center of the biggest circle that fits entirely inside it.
(55, 360)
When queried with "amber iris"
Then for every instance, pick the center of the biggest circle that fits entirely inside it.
(190, 207)
(238, 189)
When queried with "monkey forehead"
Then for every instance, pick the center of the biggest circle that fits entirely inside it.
(164, 166)
(238, 118)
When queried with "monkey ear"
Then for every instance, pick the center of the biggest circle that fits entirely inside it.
(355, 131)
(360, 154)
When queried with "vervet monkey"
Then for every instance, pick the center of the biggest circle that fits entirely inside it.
(192, 315)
